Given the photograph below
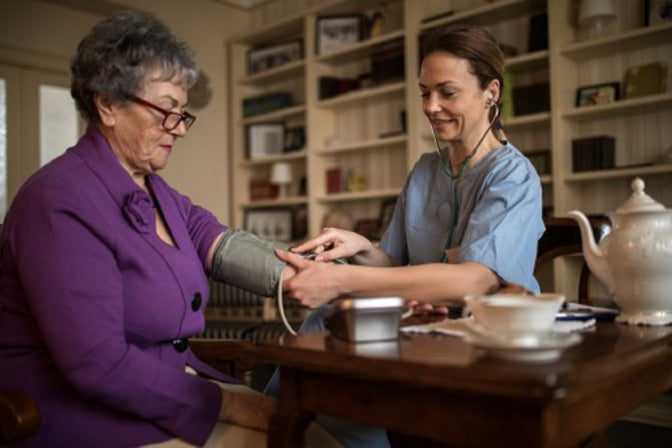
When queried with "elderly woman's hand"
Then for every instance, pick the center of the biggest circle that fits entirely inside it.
(249, 410)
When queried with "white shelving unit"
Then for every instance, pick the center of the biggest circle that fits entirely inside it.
(345, 131)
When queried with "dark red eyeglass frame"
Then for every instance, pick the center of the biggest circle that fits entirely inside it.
(185, 117)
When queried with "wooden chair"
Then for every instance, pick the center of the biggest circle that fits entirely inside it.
(19, 417)
(233, 357)
(563, 237)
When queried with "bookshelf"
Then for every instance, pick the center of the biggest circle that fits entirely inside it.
(360, 131)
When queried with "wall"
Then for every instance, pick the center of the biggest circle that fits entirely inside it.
(199, 167)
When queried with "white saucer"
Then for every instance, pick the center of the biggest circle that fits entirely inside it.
(546, 347)
(645, 318)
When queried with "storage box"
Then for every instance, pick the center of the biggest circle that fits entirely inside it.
(262, 189)
(593, 153)
(647, 79)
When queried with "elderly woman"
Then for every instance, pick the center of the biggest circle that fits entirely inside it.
(104, 265)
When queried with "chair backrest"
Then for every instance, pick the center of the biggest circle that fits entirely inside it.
(563, 237)
(19, 417)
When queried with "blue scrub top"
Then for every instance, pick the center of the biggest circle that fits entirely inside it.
(499, 216)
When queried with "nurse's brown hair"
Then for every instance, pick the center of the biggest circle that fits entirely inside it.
(474, 44)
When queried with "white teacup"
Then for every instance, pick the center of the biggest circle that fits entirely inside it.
(517, 318)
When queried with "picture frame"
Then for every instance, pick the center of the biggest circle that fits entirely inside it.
(265, 139)
(335, 31)
(295, 138)
(597, 94)
(657, 12)
(274, 224)
(270, 56)
(541, 160)
(386, 211)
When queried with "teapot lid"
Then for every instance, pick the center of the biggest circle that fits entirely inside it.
(639, 201)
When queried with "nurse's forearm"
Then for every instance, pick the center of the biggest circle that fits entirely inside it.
(374, 257)
(435, 282)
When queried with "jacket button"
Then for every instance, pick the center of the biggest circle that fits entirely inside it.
(196, 302)
(180, 345)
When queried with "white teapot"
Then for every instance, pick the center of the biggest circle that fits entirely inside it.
(634, 261)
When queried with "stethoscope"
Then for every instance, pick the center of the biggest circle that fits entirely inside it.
(454, 177)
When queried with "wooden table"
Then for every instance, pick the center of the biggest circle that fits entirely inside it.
(443, 389)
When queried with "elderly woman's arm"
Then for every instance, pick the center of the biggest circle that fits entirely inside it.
(242, 259)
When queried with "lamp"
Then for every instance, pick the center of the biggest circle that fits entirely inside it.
(281, 175)
(595, 13)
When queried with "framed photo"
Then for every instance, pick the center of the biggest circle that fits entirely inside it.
(657, 12)
(386, 210)
(597, 94)
(265, 139)
(332, 32)
(270, 56)
(541, 160)
(295, 138)
(271, 224)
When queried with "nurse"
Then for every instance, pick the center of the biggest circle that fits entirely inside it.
(467, 220)
(470, 214)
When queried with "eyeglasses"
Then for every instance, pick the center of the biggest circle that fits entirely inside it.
(171, 120)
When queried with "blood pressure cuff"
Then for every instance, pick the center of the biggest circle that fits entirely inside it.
(244, 260)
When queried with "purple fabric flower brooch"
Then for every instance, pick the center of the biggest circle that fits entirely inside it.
(139, 211)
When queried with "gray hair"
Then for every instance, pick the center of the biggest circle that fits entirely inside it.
(118, 53)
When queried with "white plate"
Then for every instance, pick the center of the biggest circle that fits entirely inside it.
(547, 347)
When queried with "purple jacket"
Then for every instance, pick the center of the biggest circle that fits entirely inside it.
(92, 300)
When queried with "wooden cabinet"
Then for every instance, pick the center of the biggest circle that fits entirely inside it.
(362, 133)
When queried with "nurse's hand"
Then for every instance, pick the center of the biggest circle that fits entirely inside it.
(334, 243)
(422, 308)
(315, 283)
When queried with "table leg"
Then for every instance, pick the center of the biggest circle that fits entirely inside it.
(288, 426)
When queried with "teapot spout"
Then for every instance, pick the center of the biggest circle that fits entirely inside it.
(594, 255)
